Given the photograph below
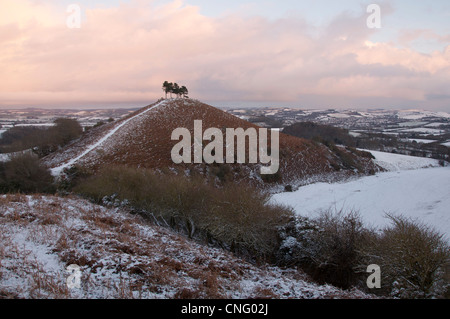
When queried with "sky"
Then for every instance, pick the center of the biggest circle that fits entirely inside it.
(309, 54)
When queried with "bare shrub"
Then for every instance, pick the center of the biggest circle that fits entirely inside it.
(412, 257)
(330, 247)
(334, 248)
(233, 216)
(24, 173)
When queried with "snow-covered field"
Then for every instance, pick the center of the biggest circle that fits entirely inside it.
(413, 187)
(420, 140)
(398, 162)
(423, 130)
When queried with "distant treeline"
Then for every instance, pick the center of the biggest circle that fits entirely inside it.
(322, 133)
(42, 141)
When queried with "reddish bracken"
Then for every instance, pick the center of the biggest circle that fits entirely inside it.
(145, 141)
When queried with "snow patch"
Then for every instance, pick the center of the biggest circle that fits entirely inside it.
(397, 162)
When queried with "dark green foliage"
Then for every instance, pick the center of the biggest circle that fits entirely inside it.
(174, 88)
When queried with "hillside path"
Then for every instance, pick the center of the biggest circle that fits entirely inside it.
(56, 171)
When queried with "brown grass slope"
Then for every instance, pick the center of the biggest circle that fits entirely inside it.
(123, 256)
(145, 141)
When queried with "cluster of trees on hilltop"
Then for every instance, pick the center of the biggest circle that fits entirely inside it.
(174, 88)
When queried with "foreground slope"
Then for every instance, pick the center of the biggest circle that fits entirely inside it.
(123, 256)
(143, 139)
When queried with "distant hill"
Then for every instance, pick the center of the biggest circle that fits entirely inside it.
(143, 139)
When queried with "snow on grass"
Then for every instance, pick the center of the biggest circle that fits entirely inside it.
(406, 189)
(5, 157)
(121, 255)
(354, 134)
(437, 124)
(419, 140)
(57, 170)
(408, 124)
(339, 115)
(419, 114)
(396, 162)
(423, 130)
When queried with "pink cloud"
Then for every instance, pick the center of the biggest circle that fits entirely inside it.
(123, 54)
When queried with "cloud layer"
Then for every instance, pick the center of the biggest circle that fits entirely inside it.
(123, 54)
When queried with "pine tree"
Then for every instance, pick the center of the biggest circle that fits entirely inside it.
(174, 88)
(184, 92)
(167, 87)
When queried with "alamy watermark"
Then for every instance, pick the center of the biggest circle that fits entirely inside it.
(374, 19)
(73, 21)
(74, 279)
(213, 152)
(374, 280)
